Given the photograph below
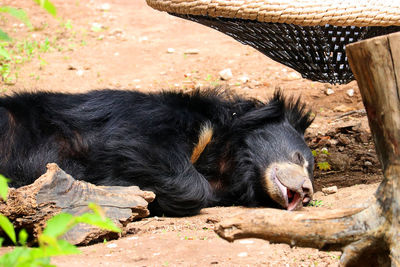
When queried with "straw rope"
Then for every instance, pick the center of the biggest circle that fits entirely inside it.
(298, 12)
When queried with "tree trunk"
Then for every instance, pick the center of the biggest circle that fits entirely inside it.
(369, 235)
(30, 206)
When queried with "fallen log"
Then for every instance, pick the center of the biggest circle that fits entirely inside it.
(369, 235)
(30, 206)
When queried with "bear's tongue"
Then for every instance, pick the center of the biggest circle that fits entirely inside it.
(293, 199)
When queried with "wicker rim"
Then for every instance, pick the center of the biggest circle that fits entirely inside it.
(299, 12)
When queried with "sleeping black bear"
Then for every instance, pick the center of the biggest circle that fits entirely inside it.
(193, 150)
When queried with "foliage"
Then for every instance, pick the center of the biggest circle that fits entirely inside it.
(50, 242)
(322, 165)
(315, 203)
(8, 57)
(3, 187)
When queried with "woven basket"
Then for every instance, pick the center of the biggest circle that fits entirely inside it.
(308, 36)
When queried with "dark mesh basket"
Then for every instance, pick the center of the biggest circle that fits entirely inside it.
(317, 52)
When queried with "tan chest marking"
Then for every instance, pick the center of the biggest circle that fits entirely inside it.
(205, 136)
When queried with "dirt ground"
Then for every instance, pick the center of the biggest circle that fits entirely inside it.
(124, 44)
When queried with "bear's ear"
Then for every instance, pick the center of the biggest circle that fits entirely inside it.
(258, 115)
(295, 112)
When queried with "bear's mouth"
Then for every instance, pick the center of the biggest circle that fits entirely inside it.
(293, 200)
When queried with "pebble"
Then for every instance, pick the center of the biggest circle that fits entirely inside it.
(117, 31)
(293, 76)
(170, 50)
(96, 26)
(367, 163)
(243, 254)
(329, 91)
(330, 190)
(133, 238)
(112, 245)
(343, 108)
(225, 74)
(143, 38)
(246, 241)
(79, 72)
(350, 92)
(243, 79)
(105, 7)
(192, 51)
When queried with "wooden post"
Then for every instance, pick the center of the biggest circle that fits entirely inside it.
(369, 236)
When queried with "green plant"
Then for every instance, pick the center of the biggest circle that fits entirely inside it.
(50, 242)
(10, 57)
(315, 203)
(322, 165)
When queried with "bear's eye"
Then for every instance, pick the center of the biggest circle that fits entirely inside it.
(298, 158)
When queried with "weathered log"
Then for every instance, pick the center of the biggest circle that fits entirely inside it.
(368, 236)
(31, 206)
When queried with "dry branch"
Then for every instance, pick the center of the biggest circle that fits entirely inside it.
(31, 206)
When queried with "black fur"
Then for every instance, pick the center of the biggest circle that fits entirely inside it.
(129, 138)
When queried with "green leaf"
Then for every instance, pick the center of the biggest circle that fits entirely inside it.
(60, 247)
(8, 228)
(48, 6)
(18, 13)
(59, 225)
(25, 257)
(22, 237)
(4, 53)
(4, 36)
(314, 153)
(3, 186)
(324, 166)
(99, 221)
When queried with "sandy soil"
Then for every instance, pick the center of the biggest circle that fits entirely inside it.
(127, 45)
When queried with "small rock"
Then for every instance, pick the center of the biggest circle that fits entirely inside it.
(293, 76)
(330, 190)
(170, 50)
(343, 139)
(71, 67)
(143, 38)
(133, 238)
(343, 108)
(112, 245)
(367, 163)
(96, 27)
(339, 161)
(117, 31)
(329, 91)
(105, 7)
(362, 138)
(79, 72)
(225, 74)
(192, 51)
(350, 92)
(246, 241)
(243, 79)
(243, 254)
